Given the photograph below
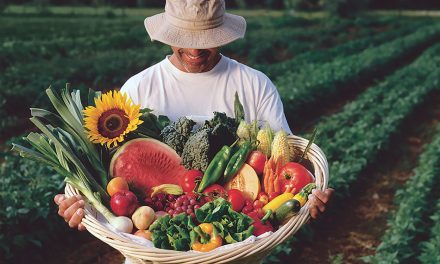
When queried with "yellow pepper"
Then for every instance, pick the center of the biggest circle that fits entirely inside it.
(277, 202)
(215, 240)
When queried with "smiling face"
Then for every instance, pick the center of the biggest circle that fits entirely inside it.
(194, 60)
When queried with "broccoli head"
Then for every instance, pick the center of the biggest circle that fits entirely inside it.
(224, 120)
(177, 133)
(202, 146)
(196, 151)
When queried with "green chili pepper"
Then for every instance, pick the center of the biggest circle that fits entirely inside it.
(215, 168)
(237, 160)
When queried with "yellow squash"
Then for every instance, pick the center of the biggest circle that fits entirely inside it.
(277, 202)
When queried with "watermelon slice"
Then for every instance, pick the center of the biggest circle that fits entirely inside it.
(146, 163)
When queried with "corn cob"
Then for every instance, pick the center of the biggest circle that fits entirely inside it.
(264, 138)
(280, 149)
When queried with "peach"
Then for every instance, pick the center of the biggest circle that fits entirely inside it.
(117, 184)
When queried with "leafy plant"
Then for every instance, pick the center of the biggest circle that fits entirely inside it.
(28, 215)
(337, 259)
(398, 243)
(320, 56)
(345, 8)
(430, 247)
(347, 138)
(300, 93)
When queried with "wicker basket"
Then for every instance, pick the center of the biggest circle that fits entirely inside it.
(247, 253)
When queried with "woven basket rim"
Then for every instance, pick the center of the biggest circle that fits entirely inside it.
(259, 246)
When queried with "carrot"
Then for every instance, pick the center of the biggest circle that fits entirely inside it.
(277, 180)
(265, 176)
(270, 179)
(276, 183)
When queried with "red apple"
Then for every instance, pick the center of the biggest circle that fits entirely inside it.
(256, 160)
(124, 203)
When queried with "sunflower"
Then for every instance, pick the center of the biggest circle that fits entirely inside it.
(111, 119)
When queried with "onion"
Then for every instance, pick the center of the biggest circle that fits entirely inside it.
(122, 223)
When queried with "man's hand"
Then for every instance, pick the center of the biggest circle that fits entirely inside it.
(71, 209)
(318, 200)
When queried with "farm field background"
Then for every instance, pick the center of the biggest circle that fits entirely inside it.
(371, 85)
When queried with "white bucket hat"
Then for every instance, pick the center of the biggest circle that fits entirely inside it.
(197, 24)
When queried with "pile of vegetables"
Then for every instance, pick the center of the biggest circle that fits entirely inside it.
(182, 186)
(180, 232)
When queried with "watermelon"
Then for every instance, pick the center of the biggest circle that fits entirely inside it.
(145, 163)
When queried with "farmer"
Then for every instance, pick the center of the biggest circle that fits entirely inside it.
(197, 80)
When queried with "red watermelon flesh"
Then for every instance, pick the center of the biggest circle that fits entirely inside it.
(146, 163)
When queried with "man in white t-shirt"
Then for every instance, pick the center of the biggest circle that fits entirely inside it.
(197, 80)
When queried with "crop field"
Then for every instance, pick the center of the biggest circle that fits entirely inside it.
(370, 85)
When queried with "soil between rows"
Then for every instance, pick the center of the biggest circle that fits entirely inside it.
(313, 113)
(353, 228)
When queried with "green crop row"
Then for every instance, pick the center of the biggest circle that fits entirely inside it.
(23, 52)
(19, 29)
(278, 44)
(135, 37)
(28, 215)
(280, 34)
(311, 59)
(104, 70)
(430, 248)
(352, 138)
(109, 69)
(13, 29)
(304, 90)
(397, 244)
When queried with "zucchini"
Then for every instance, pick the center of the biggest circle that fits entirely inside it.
(291, 207)
(287, 210)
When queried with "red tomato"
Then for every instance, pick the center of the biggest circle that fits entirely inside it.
(215, 190)
(236, 198)
(294, 177)
(190, 179)
(256, 160)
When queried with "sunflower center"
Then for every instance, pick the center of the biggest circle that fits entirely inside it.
(112, 123)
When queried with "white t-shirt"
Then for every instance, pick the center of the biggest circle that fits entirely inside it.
(169, 91)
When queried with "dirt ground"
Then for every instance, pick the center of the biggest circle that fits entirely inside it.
(353, 228)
